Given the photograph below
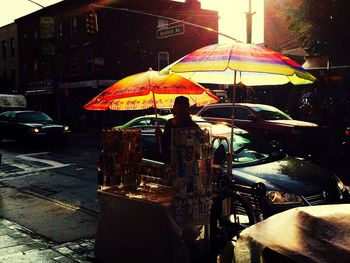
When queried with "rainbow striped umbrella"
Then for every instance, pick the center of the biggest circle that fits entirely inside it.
(233, 63)
(253, 65)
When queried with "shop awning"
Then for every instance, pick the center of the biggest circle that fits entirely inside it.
(12, 101)
(321, 63)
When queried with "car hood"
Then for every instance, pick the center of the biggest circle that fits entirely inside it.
(294, 123)
(290, 174)
(38, 125)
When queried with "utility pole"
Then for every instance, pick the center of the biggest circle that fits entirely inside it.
(249, 17)
(53, 77)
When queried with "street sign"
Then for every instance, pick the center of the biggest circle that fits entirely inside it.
(170, 31)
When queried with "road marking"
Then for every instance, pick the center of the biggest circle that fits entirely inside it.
(25, 168)
(52, 164)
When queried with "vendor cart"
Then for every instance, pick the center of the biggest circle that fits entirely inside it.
(156, 212)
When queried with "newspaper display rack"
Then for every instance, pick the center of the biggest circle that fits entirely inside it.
(179, 192)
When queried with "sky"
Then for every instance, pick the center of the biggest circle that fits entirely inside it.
(231, 15)
(13, 9)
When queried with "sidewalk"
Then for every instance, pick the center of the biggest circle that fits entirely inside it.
(18, 244)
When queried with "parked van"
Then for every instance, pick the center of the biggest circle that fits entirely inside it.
(12, 102)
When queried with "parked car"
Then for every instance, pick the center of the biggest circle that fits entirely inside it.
(12, 102)
(294, 136)
(151, 121)
(31, 126)
(269, 178)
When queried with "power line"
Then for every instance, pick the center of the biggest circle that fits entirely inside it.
(297, 38)
(165, 17)
(36, 3)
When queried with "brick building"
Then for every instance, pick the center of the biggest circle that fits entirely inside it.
(62, 65)
(9, 72)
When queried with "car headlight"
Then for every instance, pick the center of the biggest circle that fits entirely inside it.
(66, 128)
(35, 130)
(342, 187)
(277, 197)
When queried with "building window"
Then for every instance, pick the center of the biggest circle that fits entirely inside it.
(73, 26)
(60, 29)
(25, 71)
(4, 49)
(163, 59)
(12, 47)
(60, 62)
(74, 62)
(163, 23)
(13, 78)
(89, 57)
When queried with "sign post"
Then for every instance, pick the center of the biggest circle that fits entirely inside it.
(170, 31)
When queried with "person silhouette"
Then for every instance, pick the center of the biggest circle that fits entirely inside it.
(181, 119)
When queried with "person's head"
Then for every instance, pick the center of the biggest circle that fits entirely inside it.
(181, 107)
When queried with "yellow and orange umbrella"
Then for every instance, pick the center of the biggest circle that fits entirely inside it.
(149, 89)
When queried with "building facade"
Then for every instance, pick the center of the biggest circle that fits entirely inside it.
(63, 64)
(9, 73)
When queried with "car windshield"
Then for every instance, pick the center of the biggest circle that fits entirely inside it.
(250, 150)
(271, 113)
(150, 121)
(33, 116)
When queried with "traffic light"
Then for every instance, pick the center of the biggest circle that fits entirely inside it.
(91, 22)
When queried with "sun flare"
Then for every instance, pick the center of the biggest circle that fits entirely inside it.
(232, 18)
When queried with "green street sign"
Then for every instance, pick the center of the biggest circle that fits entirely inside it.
(170, 31)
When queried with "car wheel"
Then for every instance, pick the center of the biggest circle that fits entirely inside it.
(275, 143)
(226, 225)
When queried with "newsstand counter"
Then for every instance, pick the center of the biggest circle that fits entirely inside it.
(137, 227)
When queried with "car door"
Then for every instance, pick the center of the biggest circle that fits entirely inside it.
(3, 124)
(247, 120)
(217, 114)
(7, 125)
(14, 129)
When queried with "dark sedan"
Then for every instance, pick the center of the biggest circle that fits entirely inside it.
(31, 126)
(297, 137)
(270, 179)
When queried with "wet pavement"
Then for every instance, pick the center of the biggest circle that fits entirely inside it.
(18, 244)
(24, 244)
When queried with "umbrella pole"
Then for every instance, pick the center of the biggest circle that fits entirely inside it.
(231, 151)
(155, 112)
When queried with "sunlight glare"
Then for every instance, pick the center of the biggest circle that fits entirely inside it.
(232, 18)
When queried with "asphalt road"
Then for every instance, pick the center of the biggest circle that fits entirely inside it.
(48, 188)
(52, 190)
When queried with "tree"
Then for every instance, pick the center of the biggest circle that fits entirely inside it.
(323, 26)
